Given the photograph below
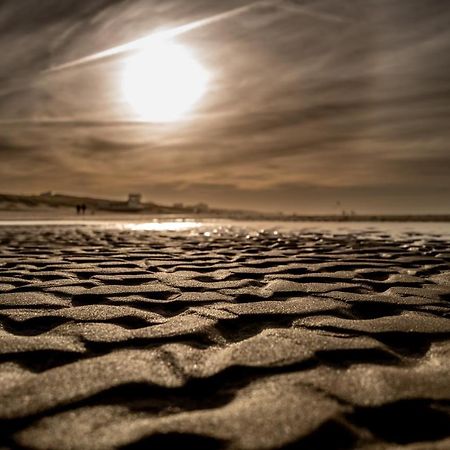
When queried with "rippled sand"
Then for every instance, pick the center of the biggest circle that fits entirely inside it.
(212, 337)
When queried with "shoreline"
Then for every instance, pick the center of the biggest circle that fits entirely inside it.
(55, 215)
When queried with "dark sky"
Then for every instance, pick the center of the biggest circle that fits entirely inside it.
(310, 103)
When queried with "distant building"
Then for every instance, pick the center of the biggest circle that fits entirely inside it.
(47, 194)
(134, 201)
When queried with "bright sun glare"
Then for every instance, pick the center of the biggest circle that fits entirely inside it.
(163, 81)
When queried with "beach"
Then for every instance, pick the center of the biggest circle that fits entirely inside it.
(217, 335)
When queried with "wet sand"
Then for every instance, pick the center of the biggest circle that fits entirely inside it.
(223, 337)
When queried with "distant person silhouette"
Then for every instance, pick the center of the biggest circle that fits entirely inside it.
(83, 209)
(78, 207)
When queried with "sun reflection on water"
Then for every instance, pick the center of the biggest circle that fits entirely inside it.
(164, 226)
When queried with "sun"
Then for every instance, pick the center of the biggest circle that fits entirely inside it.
(163, 81)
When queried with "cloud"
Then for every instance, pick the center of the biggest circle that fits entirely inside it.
(9, 145)
(308, 100)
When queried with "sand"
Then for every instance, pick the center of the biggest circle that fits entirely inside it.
(223, 338)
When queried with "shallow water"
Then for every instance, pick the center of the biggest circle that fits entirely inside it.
(437, 230)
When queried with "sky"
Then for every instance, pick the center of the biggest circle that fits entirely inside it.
(312, 106)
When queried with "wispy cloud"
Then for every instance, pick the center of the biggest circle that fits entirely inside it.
(309, 101)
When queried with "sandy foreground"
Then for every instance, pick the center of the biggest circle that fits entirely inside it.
(223, 337)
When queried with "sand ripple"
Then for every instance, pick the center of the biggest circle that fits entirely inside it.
(122, 338)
